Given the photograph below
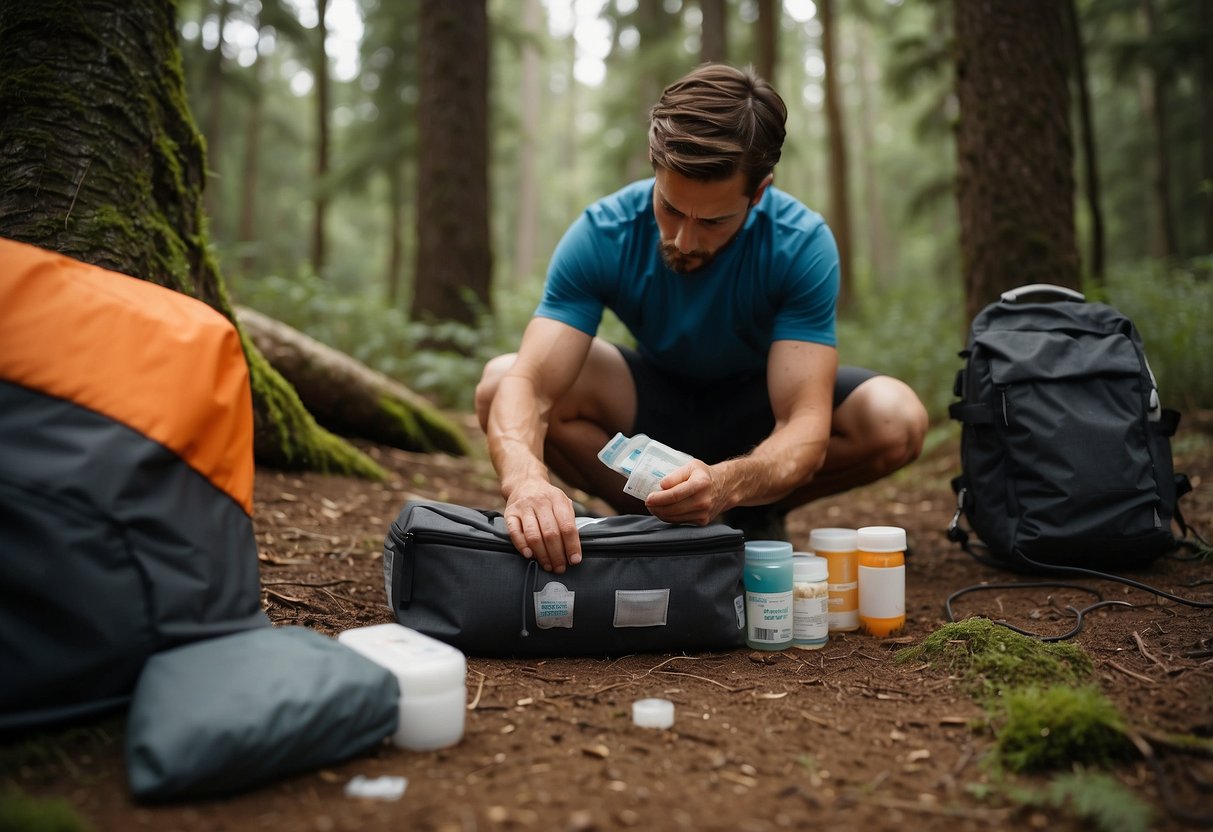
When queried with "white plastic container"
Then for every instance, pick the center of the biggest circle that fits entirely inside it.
(810, 601)
(653, 713)
(432, 677)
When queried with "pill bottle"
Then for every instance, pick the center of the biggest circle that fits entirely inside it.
(838, 547)
(882, 579)
(768, 594)
(810, 601)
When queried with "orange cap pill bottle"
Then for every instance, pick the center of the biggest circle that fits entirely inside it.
(838, 547)
(882, 579)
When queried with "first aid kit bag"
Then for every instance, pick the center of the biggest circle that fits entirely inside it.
(643, 585)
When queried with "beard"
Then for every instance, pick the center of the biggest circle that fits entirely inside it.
(676, 261)
(693, 261)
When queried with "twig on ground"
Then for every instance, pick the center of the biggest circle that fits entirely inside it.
(1142, 647)
(298, 532)
(1134, 674)
(320, 585)
(706, 679)
(286, 599)
(636, 679)
(479, 689)
(811, 718)
(932, 809)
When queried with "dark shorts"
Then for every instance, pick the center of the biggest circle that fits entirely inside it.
(712, 421)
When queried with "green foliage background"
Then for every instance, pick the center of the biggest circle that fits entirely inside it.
(896, 80)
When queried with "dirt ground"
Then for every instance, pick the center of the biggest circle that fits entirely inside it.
(840, 738)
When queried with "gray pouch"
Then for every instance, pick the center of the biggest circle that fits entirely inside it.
(226, 714)
(452, 573)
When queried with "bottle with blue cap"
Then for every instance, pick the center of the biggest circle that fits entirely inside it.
(768, 594)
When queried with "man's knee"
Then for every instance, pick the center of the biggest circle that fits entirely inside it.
(490, 380)
(892, 423)
(905, 424)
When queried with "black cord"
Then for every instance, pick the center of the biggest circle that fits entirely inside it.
(1079, 614)
(1107, 576)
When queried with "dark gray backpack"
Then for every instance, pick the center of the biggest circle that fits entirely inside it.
(1065, 447)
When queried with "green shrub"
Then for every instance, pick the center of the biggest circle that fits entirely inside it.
(913, 331)
(1093, 796)
(22, 813)
(1171, 307)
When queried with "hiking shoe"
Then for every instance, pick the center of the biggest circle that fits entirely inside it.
(758, 522)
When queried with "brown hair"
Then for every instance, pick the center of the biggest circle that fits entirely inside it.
(715, 121)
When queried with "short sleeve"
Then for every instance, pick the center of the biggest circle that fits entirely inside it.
(810, 290)
(572, 293)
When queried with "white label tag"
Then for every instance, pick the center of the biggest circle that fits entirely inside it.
(641, 607)
(739, 603)
(882, 591)
(554, 606)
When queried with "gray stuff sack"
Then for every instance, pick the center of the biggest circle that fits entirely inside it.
(643, 585)
(227, 714)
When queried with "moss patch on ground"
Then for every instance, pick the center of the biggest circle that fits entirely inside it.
(992, 658)
(1055, 727)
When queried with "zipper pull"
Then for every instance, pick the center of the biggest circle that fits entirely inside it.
(955, 533)
(532, 568)
(398, 564)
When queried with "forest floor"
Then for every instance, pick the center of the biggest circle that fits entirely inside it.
(842, 738)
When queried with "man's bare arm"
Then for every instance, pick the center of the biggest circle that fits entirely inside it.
(539, 516)
(800, 378)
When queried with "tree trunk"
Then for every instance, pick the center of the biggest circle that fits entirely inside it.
(769, 12)
(320, 70)
(880, 255)
(395, 257)
(348, 397)
(1015, 158)
(249, 244)
(713, 32)
(1087, 128)
(1206, 117)
(214, 118)
(840, 201)
(453, 256)
(102, 161)
(1155, 102)
(658, 66)
(531, 93)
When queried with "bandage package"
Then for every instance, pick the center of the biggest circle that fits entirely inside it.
(644, 461)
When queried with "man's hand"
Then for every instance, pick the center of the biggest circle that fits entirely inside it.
(690, 494)
(539, 518)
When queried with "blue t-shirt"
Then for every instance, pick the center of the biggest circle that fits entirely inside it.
(776, 280)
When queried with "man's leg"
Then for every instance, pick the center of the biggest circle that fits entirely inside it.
(601, 402)
(876, 430)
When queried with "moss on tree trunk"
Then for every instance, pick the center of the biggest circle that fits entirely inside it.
(100, 159)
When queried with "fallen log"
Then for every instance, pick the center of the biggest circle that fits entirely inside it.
(349, 398)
